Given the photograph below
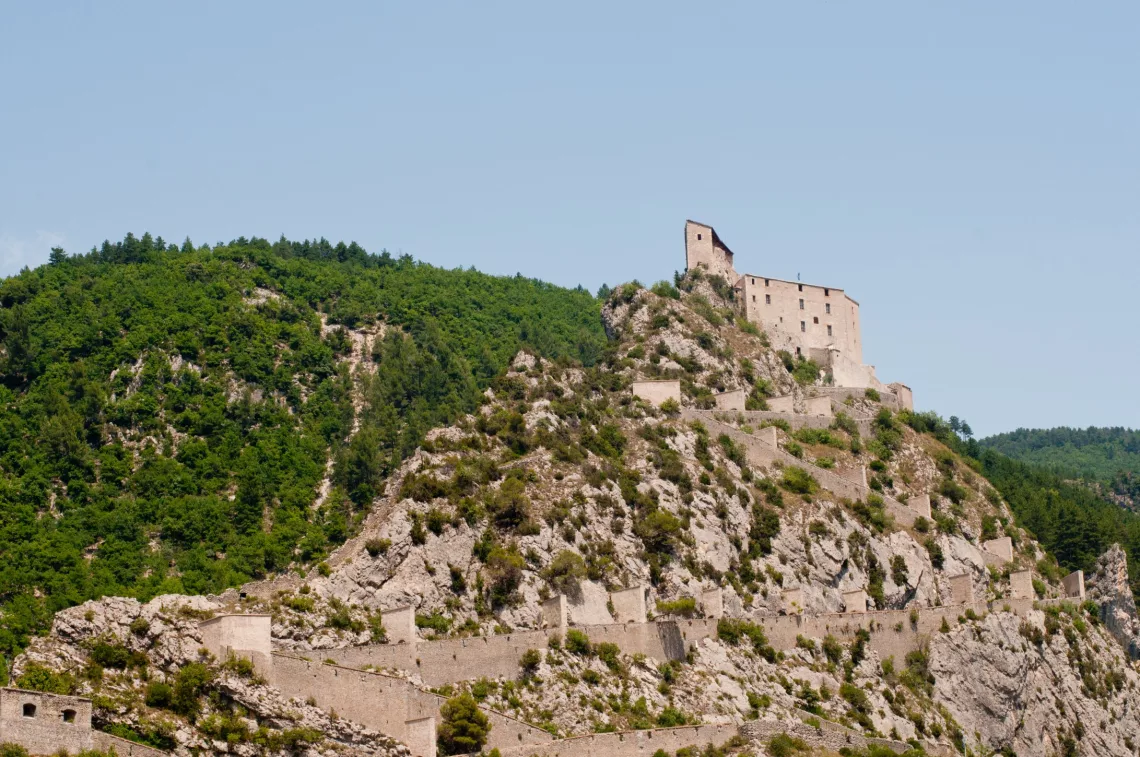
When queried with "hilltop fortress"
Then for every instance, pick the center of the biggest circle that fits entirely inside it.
(815, 322)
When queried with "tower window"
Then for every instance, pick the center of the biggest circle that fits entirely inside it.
(754, 298)
(829, 329)
(826, 292)
(801, 304)
(827, 308)
(69, 716)
(753, 281)
(29, 710)
(815, 320)
(803, 325)
(767, 299)
(767, 282)
(698, 237)
(801, 287)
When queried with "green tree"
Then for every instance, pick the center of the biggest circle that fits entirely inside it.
(463, 727)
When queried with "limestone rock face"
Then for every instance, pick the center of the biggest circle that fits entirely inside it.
(1108, 586)
(1024, 684)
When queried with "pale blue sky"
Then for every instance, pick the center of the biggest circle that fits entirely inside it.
(968, 171)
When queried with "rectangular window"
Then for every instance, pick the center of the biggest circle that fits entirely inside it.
(801, 287)
(754, 298)
(815, 320)
(803, 325)
(767, 299)
(826, 292)
(801, 304)
(698, 237)
(829, 329)
(767, 282)
(827, 308)
(753, 281)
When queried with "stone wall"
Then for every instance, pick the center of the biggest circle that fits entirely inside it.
(45, 723)
(656, 392)
(629, 605)
(242, 635)
(105, 742)
(798, 316)
(733, 400)
(453, 660)
(797, 420)
(385, 703)
(828, 735)
(705, 249)
(840, 393)
(629, 743)
(1074, 584)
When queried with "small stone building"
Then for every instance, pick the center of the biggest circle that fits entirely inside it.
(45, 723)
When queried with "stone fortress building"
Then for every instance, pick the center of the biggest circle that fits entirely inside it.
(815, 322)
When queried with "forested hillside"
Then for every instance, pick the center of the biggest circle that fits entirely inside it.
(1106, 457)
(173, 419)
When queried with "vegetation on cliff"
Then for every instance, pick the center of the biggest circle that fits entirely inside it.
(168, 414)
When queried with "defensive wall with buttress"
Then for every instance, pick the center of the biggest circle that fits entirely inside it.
(407, 712)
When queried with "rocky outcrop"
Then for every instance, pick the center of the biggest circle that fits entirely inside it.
(1052, 683)
(1109, 587)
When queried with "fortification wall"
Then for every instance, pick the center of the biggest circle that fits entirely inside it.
(243, 635)
(105, 742)
(45, 723)
(840, 393)
(797, 420)
(803, 316)
(382, 702)
(656, 392)
(630, 743)
(828, 735)
(453, 660)
(761, 453)
(732, 400)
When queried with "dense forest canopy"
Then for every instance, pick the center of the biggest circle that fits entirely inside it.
(168, 413)
(1092, 453)
(1110, 457)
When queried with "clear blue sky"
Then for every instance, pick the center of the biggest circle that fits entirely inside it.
(969, 171)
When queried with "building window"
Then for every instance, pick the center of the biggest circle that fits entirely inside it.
(826, 292)
(815, 320)
(767, 299)
(803, 325)
(827, 308)
(29, 710)
(829, 329)
(801, 287)
(698, 237)
(801, 304)
(767, 282)
(753, 281)
(69, 716)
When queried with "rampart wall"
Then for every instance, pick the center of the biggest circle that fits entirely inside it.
(629, 743)
(454, 660)
(105, 742)
(384, 703)
(761, 453)
(798, 420)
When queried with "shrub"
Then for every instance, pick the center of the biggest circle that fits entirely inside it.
(578, 643)
(610, 654)
(733, 631)
(530, 661)
(140, 626)
(783, 745)
(659, 531)
(191, 681)
(686, 606)
(671, 407)
(565, 572)
(463, 727)
(37, 677)
(159, 694)
(665, 289)
(798, 480)
(376, 547)
(873, 395)
(8, 749)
